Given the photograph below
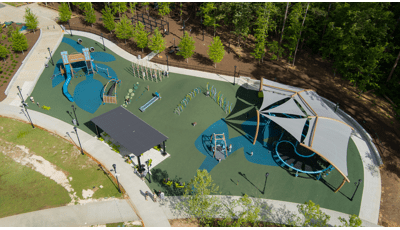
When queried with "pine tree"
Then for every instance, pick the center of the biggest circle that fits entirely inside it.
(19, 41)
(132, 7)
(108, 19)
(164, 9)
(141, 36)
(3, 52)
(216, 51)
(90, 16)
(64, 12)
(119, 7)
(157, 42)
(31, 19)
(259, 50)
(124, 29)
(186, 47)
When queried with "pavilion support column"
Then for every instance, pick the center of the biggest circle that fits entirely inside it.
(258, 125)
(140, 164)
(97, 131)
(261, 84)
(163, 146)
(341, 185)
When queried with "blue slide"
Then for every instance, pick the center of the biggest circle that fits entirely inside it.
(154, 99)
(65, 86)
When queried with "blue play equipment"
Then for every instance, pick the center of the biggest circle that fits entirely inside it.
(320, 172)
(69, 71)
(154, 99)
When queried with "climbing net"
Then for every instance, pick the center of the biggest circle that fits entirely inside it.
(146, 70)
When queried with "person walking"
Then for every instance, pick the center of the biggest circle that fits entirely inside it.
(230, 148)
(154, 196)
(37, 103)
(161, 195)
(32, 100)
(147, 194)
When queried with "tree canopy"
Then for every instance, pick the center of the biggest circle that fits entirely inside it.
(3, 52)
(64, 12)
(119, 7)
(186, 46)
(19, 41)
(108, 19)
(141, 35)
(216, 51)
(90, 16)
(124, 29)
(157, 43)
(31, 19)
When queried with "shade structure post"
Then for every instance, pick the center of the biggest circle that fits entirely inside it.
(341, 185)
(163, 146)
(97, 131)
(261, 84)
(258, 125)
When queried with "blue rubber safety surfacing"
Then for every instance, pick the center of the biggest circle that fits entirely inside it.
(263, 153)
(74, 44)
(87, 94)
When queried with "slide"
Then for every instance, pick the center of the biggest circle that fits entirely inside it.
(145, 106)
(65, 86)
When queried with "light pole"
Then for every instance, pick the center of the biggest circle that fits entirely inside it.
(234, 77)
(74, 109)
(76, 131)
(358, 184)
(70, 28)
(116, 176)
(25, 105)
(48, 48)
(167, 63)
(104, 47)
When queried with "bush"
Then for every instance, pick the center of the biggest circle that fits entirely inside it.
(9, 74)
(16, 56)
(6, 77)
(4, 81)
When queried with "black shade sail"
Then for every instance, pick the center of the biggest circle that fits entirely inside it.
(129, 130)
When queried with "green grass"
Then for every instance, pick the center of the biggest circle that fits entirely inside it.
(185, 158)
(84, 171)
(25, 190)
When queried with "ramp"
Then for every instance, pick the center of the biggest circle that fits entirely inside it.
(65, 86)
(145, 106)
(64, 56)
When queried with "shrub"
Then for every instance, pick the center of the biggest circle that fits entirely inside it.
(7, 78)
(9, 74)
(4, 81)
(2, 77)
(16, 56)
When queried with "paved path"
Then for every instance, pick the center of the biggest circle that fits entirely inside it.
(75, 215)
(33, 65)
(153, 214)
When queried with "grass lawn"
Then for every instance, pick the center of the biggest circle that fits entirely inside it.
(185, 157)
(45, 192)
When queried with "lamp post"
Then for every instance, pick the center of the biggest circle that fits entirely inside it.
(74, 109)
(358, 184)
(25, 105)
(167, 63)
(234, 77)
(48, 48)
(116, 176)
(104, 47)
(76, 131)
(70, 28)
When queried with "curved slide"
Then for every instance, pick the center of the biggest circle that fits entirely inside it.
(65, 86)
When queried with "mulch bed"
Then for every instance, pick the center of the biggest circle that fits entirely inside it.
(7, 75)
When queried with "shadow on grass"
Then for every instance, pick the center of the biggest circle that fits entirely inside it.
(159, 175)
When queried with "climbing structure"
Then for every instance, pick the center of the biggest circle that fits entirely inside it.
(219, 146)
(110, 94)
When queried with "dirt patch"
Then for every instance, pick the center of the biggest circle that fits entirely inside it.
(184, 223)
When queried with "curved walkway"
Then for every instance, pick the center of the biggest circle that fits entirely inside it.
(102, 212)
(155, 214)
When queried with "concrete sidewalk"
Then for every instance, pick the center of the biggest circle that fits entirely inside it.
(149, 212)
(75, 215)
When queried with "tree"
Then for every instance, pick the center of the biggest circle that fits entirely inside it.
(146, 4)
(123, 29)
(180, 11)
(283, 27)
(132, 7)
(30, 19)
(164, 9)
(354, 221)
(241, 19)
(90, 16)
(313, 216)
(157, 42)
(186, 46)
(141, 36)
(119, 7)
(293, 29)
(275, 49)
(108, 19)
(394, 67)
(302, 25)
(64, 12)
(209, 11)
(216, 51)
(198, 201)
(19, 41)
(3, 52)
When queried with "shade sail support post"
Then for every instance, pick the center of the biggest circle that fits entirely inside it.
(258, 126)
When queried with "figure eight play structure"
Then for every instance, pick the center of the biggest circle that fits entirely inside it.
(68, 70)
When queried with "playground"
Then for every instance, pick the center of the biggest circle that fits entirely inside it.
(190, 119)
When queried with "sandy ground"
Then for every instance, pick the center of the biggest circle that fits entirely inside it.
(23, 156)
